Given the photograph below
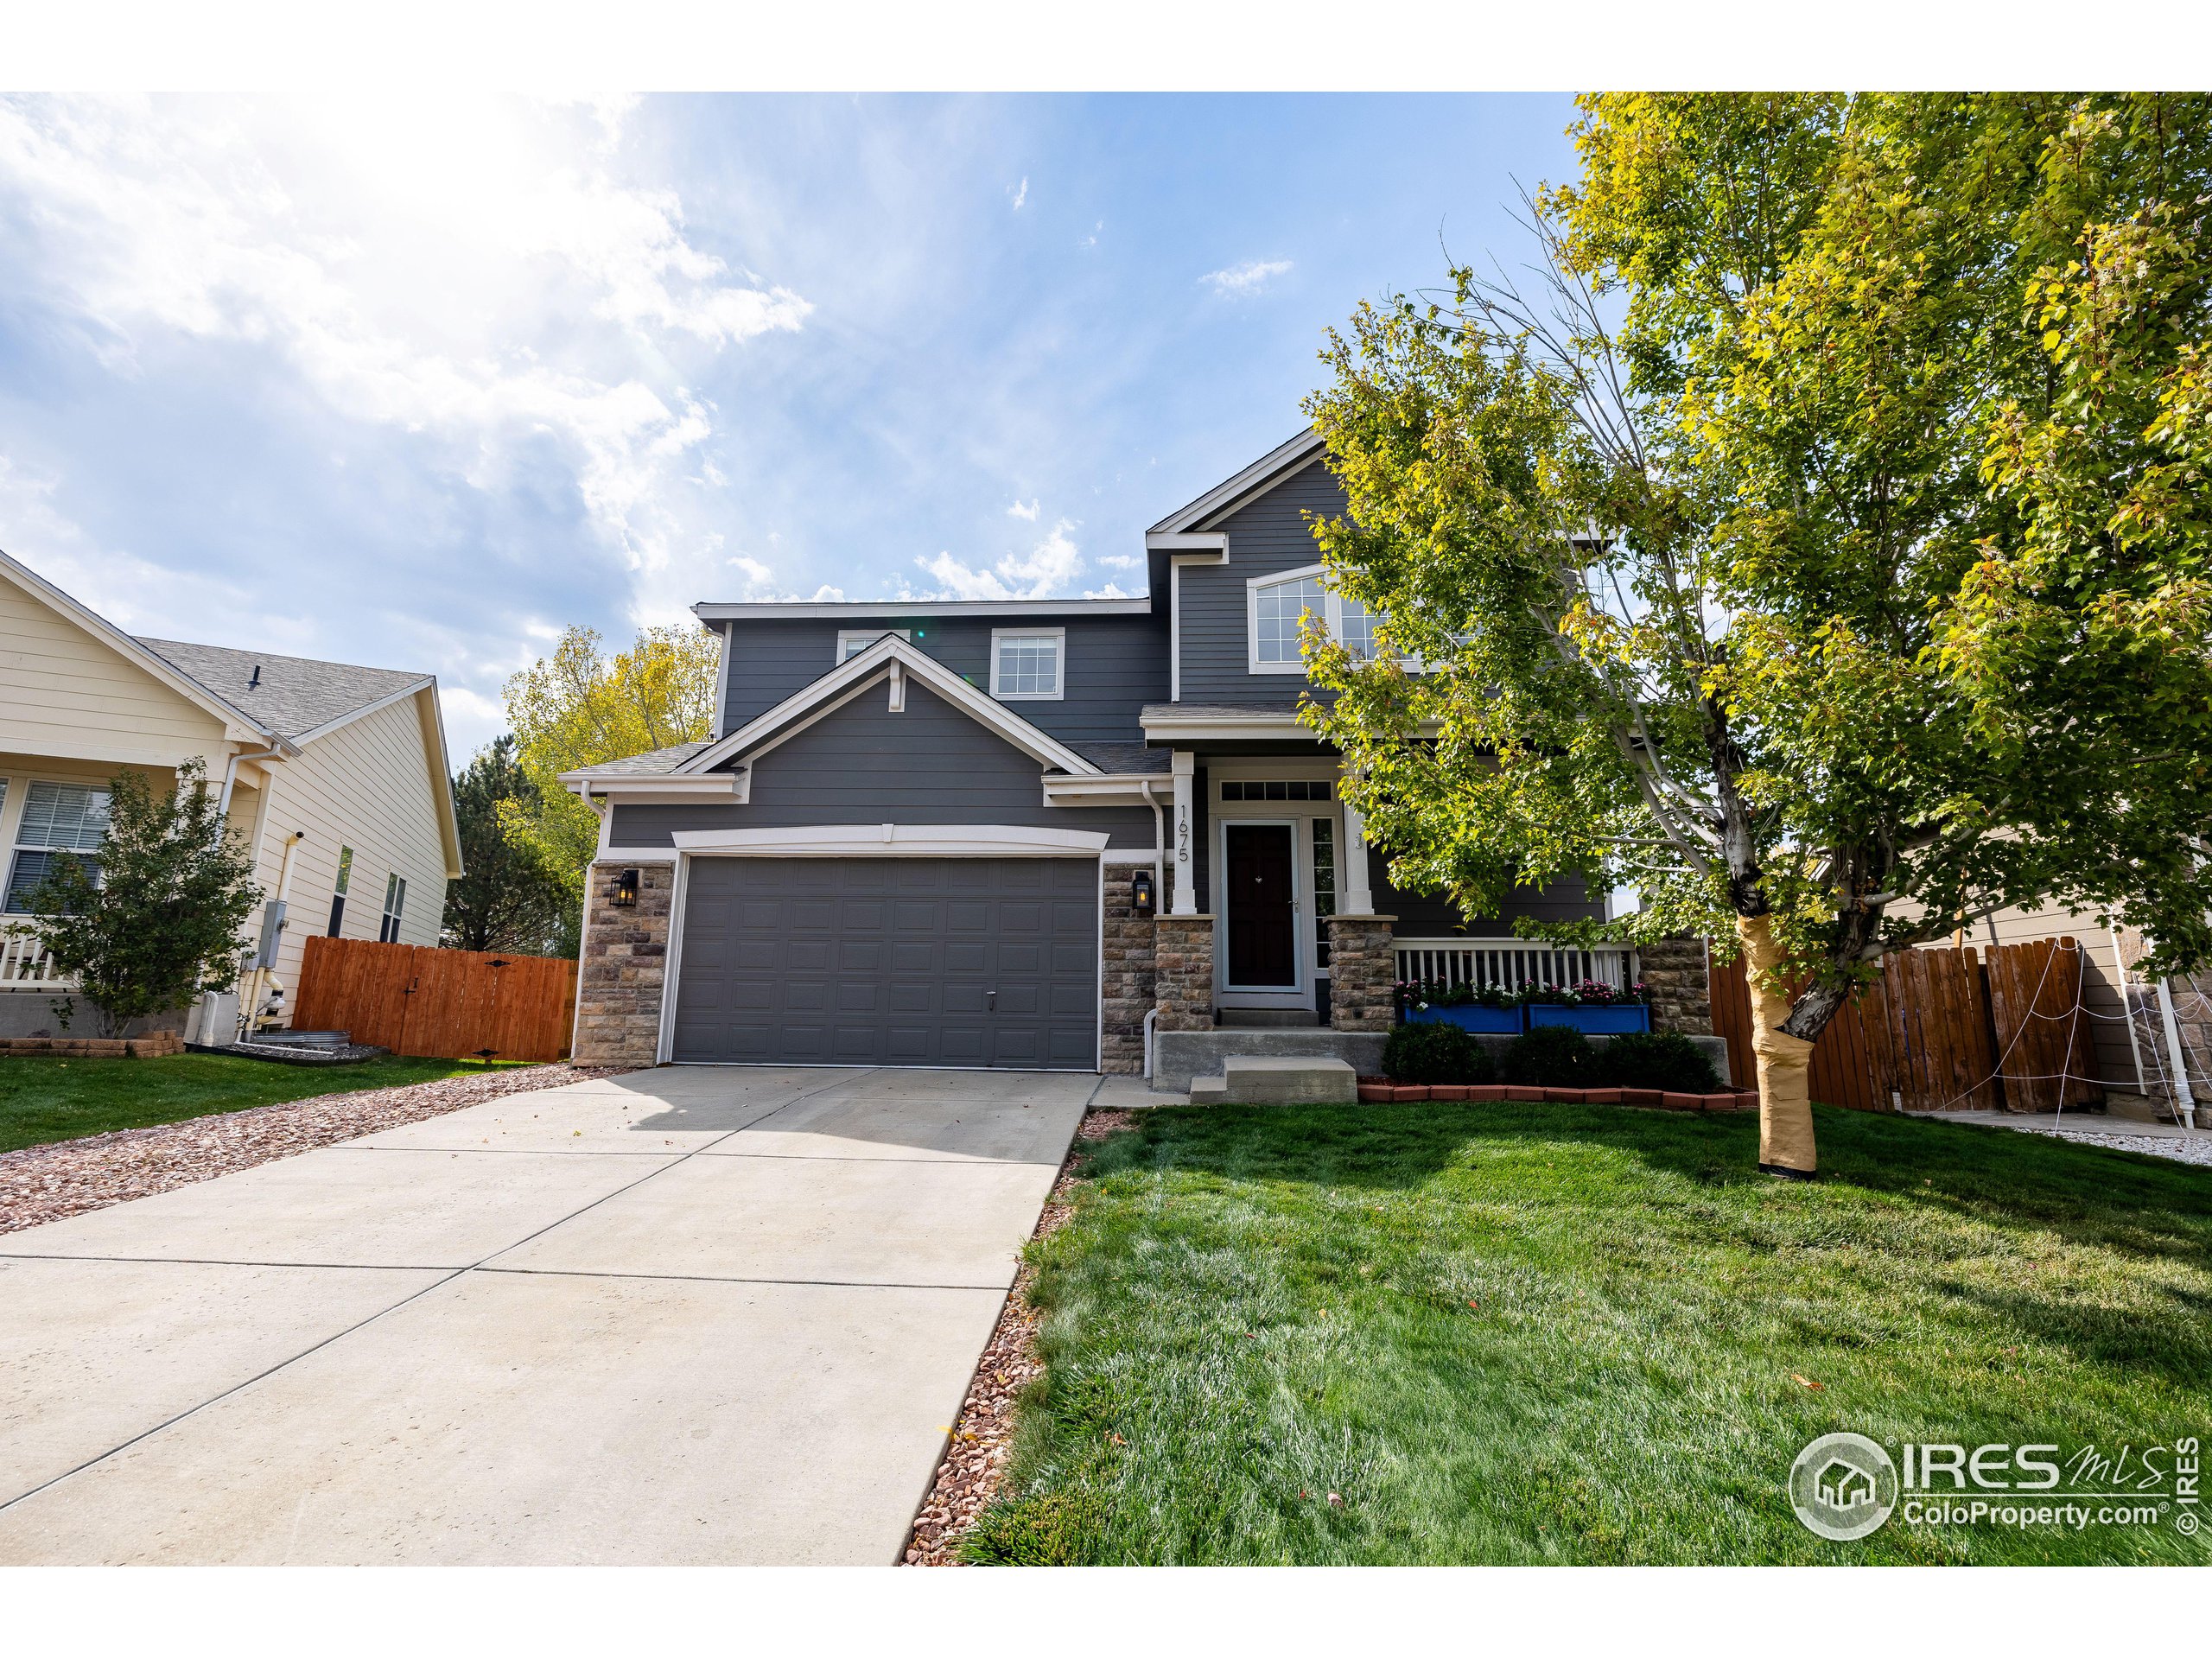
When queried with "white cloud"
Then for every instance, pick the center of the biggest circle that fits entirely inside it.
(1023, 509)
(1048, 569)
(1022, 194)
(478, 271)
(1247, 278)
(1121, 561)
(1091, 241)
(756, 574)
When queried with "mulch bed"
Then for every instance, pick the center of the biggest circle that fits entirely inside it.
(68, 1177)
(983, 1435)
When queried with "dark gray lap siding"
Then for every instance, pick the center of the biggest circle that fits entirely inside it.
(930, 765)
(1113, 666)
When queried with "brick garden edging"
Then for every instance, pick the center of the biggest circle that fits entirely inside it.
(161, 1043)
(1734, 1100)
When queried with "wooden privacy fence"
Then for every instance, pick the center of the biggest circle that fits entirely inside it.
(412, 999)
(1942, 1031)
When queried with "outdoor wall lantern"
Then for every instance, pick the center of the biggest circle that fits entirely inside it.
(625, 890)
(1141, 893)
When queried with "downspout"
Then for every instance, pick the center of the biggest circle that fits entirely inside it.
(2184, 1099)
(222, 826)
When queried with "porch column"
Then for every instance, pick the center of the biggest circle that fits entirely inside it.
(1354, 895)
(1180, 833)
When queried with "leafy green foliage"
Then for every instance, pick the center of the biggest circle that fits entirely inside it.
(1826, 544)
(579, 708)
(1652, 1059)
(510, 898)
(1528, 1333)
(161, 923)
(1435, 1050)
(1553, 1056)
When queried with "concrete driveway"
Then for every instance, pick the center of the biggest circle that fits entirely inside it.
(687, 1315)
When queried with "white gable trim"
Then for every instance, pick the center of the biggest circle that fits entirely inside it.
(894, 841)
(428, 682)
(140, 657)
(1255, 480)
(848, 679)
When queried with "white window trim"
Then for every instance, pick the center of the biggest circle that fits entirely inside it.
(861, 639)
(1334, 619)
(1060, 638)
(13, 825)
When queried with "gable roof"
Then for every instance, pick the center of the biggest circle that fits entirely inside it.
(1262, 474)
(135, 653)
(653, 763)
(298, 698)
(888, 656)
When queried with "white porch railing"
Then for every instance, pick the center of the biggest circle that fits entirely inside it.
(1512, 964)
(24, 963)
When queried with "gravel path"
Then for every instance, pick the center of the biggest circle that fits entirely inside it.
(66, 1177)
(983, 1435)
(2191, 1149)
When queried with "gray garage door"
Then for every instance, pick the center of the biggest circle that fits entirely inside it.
(985, 962)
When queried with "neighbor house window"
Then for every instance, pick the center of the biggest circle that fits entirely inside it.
(1279, 607)
(57, 818)
(1026, 664)
(395, 901)
(338, 892)
(853, 641)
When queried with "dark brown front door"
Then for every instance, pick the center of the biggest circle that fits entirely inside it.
(1262, 926)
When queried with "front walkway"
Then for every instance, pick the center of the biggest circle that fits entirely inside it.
(684, 1316)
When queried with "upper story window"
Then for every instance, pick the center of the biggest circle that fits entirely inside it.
(1027, 663)
(1278, 606)
(853, 641)
(395, 905)
(57, 818)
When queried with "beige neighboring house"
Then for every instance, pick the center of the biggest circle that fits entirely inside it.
(336, 777)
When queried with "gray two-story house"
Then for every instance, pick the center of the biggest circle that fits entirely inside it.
(1027, 835)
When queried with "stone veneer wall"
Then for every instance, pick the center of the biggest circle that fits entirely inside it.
(1363, 973)
(624, 966)
(1183, 972)
(1129, 949)
(1675, 983)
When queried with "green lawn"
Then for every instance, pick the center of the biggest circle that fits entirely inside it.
(1558, 1333)
(44, 1099)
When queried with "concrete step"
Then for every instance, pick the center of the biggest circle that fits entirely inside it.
(1268, 1019)
(1278, 1080)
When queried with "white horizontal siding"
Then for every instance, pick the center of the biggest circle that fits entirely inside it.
(368, 786)
(64, 691)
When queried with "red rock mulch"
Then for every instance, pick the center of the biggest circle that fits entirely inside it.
(983, 1435)
(68, 1177)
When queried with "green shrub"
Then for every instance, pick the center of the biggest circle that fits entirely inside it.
(1646, 1059)
(1556, 1057)
(1433, 1051)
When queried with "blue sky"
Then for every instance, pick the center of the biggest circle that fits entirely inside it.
(418, 382)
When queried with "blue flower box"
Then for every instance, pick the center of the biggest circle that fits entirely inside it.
(1469, 1016)
(1592, 1018)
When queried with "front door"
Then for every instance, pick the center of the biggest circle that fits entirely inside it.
(1262, 907)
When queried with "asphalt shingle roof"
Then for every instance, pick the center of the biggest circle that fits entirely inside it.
(651, 764)
(296, 694)
(1124, 757)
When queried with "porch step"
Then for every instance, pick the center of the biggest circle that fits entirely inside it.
(1278, 1080)
(1267, 1019)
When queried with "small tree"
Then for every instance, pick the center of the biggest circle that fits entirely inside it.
(1823, 550)
(508, 899)
(579, 707)
(158, 923)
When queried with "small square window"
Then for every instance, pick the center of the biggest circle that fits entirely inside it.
(1025, 663)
